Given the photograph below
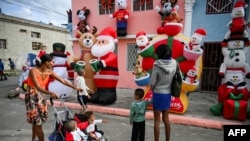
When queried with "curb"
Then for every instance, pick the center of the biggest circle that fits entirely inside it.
(177, 119)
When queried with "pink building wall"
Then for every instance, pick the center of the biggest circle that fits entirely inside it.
(147, 21)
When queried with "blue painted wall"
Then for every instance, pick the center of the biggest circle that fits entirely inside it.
(215, 24)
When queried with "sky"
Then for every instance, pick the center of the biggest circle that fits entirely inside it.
(45, 11)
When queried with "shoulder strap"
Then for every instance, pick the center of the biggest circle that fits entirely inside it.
(177, 67)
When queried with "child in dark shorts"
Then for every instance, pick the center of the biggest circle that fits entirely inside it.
(82, 96)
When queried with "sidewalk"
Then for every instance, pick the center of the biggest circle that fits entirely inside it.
(197, 113)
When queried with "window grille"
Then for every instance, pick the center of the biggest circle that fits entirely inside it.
(141, 5)
(212, 59)
(106, 7)
(35, 35)
(3, 44)
(131, 56)
(219, 6)
(36, 46)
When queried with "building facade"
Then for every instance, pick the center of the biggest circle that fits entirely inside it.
(142, 17)
(18, 37)
(209, 14)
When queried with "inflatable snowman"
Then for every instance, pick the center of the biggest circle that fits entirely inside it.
(60, 68)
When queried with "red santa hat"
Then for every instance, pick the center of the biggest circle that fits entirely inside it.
(108, 33)
(193, 69)
(39, 55)
(141, 33)
(200, 31)
(240, 4)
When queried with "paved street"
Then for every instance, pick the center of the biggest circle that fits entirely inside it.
(15, 128)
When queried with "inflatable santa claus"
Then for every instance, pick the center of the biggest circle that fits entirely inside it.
(145, 51)
(105, 67)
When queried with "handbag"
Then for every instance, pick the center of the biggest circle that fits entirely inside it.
(176, 82)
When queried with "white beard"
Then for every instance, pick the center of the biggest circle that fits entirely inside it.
(142, 42)
(101, 50)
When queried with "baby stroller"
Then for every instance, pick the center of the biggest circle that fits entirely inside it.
(81, 118)
(59, 131)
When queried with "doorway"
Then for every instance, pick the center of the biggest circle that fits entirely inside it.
(212, 59)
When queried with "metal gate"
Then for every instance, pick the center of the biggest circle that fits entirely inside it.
(212, 59)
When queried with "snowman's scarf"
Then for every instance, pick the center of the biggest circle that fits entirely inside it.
(232, 51)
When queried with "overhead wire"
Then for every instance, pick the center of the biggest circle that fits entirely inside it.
(49, 8)
(30, 4)
(38, 9)
(43, 6)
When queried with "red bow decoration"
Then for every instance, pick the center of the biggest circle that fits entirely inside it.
(141, 2)
(106, 4)
(84, 8)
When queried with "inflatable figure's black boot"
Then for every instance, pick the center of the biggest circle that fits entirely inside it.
(94, 97)
(248, 113)
(121, 32)
(104, 96)
(216, 109)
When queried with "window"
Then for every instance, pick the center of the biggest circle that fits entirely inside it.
(141, 5)
(106, 7)
(35, 35)
(131, 56)
(36, 46)
(3, 44)
(23, 31)
(219, 6)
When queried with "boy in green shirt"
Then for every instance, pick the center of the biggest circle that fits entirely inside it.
(137, 115)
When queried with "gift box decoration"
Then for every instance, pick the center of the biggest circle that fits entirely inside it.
(235, 109)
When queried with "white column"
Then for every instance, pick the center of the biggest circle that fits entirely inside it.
(188, 17)
(248, 20)
(248, 48)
